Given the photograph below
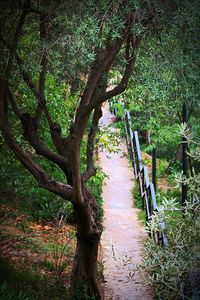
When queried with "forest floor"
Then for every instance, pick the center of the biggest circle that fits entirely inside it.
(123, 234)
(35, 257)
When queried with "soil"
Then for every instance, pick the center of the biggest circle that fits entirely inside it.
(123, 234)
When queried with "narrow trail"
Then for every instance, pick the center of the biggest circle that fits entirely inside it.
(123, 234)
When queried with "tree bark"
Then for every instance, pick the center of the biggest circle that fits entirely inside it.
(84, 277)
(84, 281)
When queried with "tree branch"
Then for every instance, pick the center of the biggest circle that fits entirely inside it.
(15, 108)
(13, 46)
(102, 64)
(30, 134)
(123, 83)
(43, 64)
(42, 178)
(59, 142)
(41, 98)
(27, 79)
(103, 61)
(103, 58)
(91, 143)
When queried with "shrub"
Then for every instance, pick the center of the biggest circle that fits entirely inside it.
(174, 271)
(161, 168)
(95, 185)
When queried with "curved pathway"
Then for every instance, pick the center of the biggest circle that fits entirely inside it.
(123, 234)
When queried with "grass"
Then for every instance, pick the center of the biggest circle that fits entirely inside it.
(137, 202)
(35, 263)
(21, 281)
(7, 294)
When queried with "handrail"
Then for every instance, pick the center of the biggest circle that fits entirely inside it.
(147, 189)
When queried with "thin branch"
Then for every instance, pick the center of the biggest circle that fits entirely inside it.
(102, 64)
(179, 116)
(58, 141)
(13, 46)
(28, 80)
(43, 64)
(104, 58)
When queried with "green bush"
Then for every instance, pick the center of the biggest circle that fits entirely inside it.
(137, 199)
(161, 168)
(174, 271)
(48, 207)
(167, 194)
(121, 125)
(173, 169)
(95, 185)
(166, 139)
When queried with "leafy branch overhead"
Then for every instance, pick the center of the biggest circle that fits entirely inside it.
(113, 40)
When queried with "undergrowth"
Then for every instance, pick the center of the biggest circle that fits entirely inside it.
(174, 271)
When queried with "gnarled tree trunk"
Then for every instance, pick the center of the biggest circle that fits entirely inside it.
(84, 281)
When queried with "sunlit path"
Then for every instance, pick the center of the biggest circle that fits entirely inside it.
(123, 234)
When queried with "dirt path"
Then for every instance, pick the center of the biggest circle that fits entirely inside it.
(123, 234)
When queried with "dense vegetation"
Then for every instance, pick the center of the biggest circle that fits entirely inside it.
(55, 66)
(57, 60)
(165, 79)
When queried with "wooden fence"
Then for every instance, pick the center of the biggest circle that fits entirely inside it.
(147, 190)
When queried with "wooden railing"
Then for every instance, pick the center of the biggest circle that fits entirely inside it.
(147, 190)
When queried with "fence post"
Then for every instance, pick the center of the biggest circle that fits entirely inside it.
(184, 157)
(154, 167)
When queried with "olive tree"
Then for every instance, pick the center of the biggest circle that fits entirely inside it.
(27, 29)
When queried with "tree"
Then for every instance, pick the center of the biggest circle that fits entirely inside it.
(167, 77)
(119, 28)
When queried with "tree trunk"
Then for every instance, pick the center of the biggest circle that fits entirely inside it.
(84, 281)
(148, 137)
